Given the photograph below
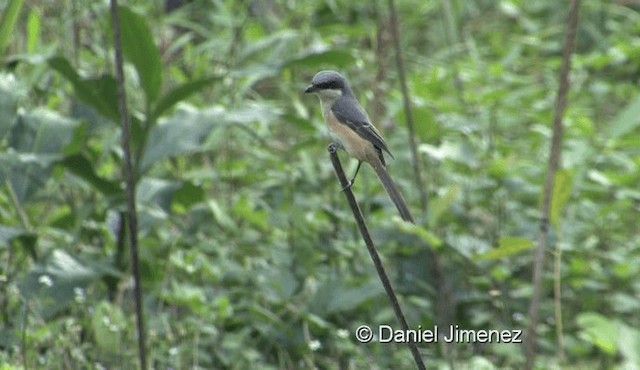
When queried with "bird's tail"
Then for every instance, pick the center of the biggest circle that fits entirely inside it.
(393, 192)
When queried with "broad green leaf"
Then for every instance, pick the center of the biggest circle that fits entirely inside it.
(54, 282)
(157, 192)
(627, 120)
(599, 330)
(561, 193)
(190, 296)
(10, 15)
(424, 122)
(245, 209)
(109, 325)
(139, 48)
(220, 215)
(80, 166)
(178, 94)
(41, 131)
(100, 93)
(440, 204)
(507, 246)
(599, 178)
(172, 138)
(425, 235)
(269, 42)
(334, 58)
(8, 105)
(629, 344)
(78, 139)
(25, 172)
(348, 298)
(9, 232)
(499, 167)
(37, 141)
(185, 197)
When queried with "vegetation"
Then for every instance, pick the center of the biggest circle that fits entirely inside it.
(249, 256)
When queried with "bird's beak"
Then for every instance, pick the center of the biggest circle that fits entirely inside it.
(310, 89)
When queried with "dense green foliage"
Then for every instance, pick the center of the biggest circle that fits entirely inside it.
(250, 256)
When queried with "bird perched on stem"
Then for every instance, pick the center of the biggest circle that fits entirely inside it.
(352, 130)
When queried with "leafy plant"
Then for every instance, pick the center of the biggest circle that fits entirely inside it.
(249, 256)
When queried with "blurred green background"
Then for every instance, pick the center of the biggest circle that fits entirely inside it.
(249, 253)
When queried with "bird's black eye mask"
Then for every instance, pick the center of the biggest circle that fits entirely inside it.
(333, 85)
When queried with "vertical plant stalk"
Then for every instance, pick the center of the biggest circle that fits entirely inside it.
(23, 338)
(554, 163)
(24, 219)
(557, 295)
(417, 166)
(130, 185)
(382, 50)
(364, 231)
(441, 285)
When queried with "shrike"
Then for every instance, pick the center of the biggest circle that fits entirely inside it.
(350, 128)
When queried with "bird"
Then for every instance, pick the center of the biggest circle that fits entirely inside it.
(351, 129)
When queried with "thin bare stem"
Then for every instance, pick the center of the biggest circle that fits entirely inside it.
(554, 162)
(364, 231)
(413, 147)
(130, 185)
(557, 295)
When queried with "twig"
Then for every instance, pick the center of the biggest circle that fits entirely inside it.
(364, 231)
(554, 162)
(129, 177)
(417, 167)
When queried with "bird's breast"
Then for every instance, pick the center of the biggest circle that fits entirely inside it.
(355, 145)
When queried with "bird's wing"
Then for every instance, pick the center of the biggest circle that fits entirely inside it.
(348, 111)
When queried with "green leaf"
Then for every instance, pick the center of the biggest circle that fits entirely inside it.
(54, 282)
(629, 344)
(268, 42)
(178, 94)
(599, 330)
(343, 298)
(425, 235)
(627, 120)
(335, 58)
(221, 215)
(8, 22)
(157, 192)
(424, 122)
(8, 105)
(560, 196)
(507, 246)
(246, 210)
(25, 172)
(37, 141)
(9, 233)
(438, 205)
(100, 93)
(174, 137)
(139, 48)
(82, 167)
(109, 325)
(185, 197)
